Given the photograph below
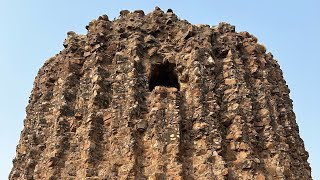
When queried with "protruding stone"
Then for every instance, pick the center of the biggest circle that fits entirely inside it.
(71, 33)
(157, 8)
(140, 12)
(230, 81)
(142, 125)
(264, 112)
(104, 17)
(124, 12)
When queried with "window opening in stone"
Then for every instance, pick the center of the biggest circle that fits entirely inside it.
(163, 74)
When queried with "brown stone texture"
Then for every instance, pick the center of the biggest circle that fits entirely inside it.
(155, 97)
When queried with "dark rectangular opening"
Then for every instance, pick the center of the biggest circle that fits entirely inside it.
(163, 74)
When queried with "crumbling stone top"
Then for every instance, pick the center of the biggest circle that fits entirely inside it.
(150, 96)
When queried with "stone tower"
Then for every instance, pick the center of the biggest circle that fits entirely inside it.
(155, 97)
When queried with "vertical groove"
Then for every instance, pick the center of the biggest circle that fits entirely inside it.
(120, 139)
(219, 169)
(262, 124)
(265, 120)
(246, 110)
(86, 118)
(186, 144)
(138, 112)
(66, 104)
(234, 120)
(94, 145)
(202, 144)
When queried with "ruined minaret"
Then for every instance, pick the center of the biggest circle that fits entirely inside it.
(155, 97)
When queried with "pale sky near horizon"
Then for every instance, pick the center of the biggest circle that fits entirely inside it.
(33, 31)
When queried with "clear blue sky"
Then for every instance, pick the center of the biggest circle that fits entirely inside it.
(33, 30)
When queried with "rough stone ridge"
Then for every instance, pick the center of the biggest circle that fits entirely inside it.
(155, 97)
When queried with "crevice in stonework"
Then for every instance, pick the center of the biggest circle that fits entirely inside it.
(163, 74)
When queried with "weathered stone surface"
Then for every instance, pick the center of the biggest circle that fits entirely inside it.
(154, 97)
